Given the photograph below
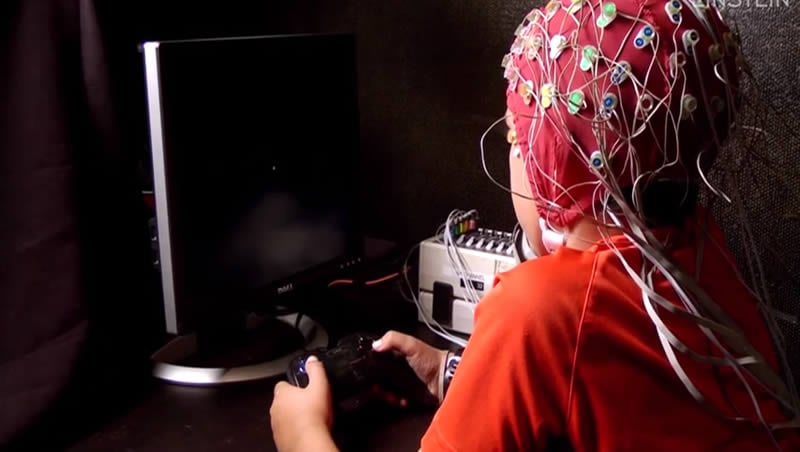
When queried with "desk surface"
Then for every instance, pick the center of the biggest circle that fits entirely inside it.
(236, 417)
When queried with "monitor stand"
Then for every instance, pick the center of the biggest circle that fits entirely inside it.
(179, 362)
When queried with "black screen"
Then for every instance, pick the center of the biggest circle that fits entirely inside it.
(260, 139)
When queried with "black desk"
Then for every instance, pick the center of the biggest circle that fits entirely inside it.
(236, 417)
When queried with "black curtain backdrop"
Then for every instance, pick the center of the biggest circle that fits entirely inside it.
(74, 291)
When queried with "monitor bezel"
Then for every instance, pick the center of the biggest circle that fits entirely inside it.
(178, 312)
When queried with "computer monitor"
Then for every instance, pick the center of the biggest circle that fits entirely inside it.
(254, 149)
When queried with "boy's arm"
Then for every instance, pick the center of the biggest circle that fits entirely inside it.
(510, 389)
(316, 440)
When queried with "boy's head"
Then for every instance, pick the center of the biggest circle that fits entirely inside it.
(617, 101)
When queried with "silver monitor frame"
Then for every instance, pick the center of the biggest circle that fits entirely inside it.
(153, 93)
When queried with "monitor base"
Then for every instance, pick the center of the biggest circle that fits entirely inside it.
(169, 368)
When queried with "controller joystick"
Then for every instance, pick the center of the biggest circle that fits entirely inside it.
(296, 374)
(353, 369)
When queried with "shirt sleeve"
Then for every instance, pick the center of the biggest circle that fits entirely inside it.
(510, 390)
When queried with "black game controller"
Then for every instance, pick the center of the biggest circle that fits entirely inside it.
(353, 369)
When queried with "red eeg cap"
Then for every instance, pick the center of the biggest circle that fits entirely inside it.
(560, 148)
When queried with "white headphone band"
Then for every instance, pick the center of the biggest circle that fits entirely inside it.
(551, 239)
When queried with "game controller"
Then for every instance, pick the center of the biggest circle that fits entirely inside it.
(354, 369)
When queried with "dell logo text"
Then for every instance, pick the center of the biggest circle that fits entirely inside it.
(285, 288)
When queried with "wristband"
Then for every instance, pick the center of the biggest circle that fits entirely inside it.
(447, 371)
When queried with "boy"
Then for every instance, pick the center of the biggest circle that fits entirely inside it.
(632, 330)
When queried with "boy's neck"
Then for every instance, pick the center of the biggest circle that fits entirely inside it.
(586, 233)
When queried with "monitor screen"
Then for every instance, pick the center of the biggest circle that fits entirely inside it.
(254, 151)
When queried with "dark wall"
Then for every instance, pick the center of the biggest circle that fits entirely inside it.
(431, 85)
(430, 82)
(770, 174)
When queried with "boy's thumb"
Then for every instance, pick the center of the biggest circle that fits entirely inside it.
(315, 371)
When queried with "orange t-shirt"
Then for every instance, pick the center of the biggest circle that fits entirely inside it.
(564, 353)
